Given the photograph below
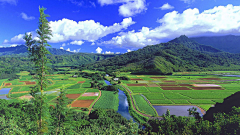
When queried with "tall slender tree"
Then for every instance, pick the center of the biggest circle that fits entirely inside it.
(38, 51)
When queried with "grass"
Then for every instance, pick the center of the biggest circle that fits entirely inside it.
(49, 98)
(138, 89)
(154, 89)
(15, 89)
(207, 95)
(205, 107)
(75, 86)
(154, 96)
(108, 100)
(201, 101)
(86, 85)
(161, 102)
(143, 105)
(180, 101)
(175, 96)
(18, 95)
(92, 90)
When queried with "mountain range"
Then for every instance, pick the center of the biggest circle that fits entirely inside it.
(180, 54)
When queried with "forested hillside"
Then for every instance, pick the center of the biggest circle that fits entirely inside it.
(229, 43)
(166, 58)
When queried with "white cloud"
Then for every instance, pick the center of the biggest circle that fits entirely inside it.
(128, 7)
(28, 18)
(109, 52)
(77, 42)
(89, 30)
(99, 50)
(15, 40)
(166, 7)
(216, 21)
(68, 50)
(78, 50)
(62, 48)
(93, 43)
(14, 45)
(64, 44)
(117, 52)
(128, 50)
(188, 1)
(14, 2)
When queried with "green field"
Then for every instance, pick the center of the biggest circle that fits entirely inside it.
(108, 100)
(143, 105)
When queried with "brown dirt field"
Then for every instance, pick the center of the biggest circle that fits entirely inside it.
(142, 84)
(136, 79)
(207, 88)
(210, 78)
(90, 94)
(153, 85)
(168, 84)
(20, 92)
(8, 84)
(26, 97)
(81, 81)
(175, 88)
(29, 83)
(82, 103)
(169, 81)
(158, 77)
(184, 84)
(72, 96)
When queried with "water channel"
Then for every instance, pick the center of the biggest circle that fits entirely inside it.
(123, 104)
(4, 92)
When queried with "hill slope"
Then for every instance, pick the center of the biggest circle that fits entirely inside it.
(184, 40)
(166, 58)
(229, 43)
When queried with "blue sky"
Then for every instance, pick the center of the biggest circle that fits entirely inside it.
(117, 26)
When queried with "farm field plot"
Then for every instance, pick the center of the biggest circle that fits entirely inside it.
(143, 105)
(82, 103)
(199, 89)
(108, 100)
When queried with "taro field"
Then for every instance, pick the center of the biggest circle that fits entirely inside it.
(78, 92)
(201, 89)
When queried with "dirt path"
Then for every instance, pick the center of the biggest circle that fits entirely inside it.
(100, 93)
(146, 115)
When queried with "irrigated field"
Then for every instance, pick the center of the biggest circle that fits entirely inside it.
(201, 89)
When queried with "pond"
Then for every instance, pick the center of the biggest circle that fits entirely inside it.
(178, 110)
(4, 92)
(123, 104)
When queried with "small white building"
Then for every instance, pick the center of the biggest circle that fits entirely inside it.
(75, 76)
(107, 75)
(116, 79)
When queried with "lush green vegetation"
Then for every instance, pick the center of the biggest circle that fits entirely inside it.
(108, 100)
(143, 106)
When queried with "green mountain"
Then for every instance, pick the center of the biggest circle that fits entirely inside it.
(229, 43)
(184, 40)
(166, 58)
(21, 50)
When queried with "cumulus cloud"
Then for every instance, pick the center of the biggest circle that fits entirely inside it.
(68, 50)
(128, 7)
(99, 50)
(166, 7)
(62, 48)
(117, 52)
(15, 40)
(26, 17)
(78, 50)
(14, 45)
(219, 20)
(89, 30)
(77, 42)
(109, 52)
(13, 2)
